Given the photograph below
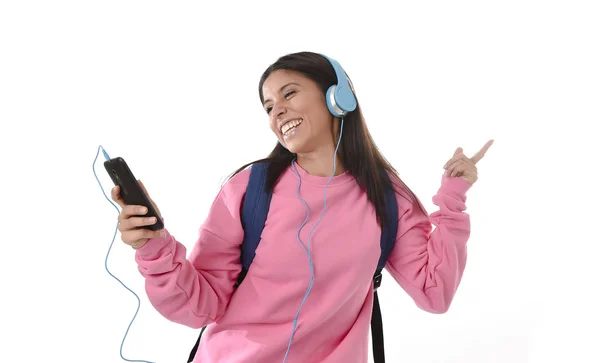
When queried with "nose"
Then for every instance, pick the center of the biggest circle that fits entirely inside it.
(278, 111)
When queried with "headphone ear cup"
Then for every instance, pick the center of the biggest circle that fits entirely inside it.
(331, 102)
(344, 98)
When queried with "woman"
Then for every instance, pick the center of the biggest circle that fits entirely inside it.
(316, 152)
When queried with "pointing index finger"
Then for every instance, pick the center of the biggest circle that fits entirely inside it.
(481, 153)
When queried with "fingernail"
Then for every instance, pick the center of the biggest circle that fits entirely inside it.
(143, 210)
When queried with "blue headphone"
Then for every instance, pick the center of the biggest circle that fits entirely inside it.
(340, 98)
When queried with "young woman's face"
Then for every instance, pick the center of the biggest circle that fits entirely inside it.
(297, 111)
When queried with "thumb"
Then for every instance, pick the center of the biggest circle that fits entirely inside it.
(149, 198)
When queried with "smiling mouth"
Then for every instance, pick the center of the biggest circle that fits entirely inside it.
(289, 126)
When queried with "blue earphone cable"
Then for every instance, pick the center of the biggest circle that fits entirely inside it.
(106, 259)
(308, 250)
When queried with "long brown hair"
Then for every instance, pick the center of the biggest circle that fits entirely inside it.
(358, 152)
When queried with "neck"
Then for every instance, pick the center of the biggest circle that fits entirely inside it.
(320, 164)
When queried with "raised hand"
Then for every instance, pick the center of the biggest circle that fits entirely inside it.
(462, 166)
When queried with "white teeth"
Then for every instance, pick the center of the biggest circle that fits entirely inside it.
(290, 125)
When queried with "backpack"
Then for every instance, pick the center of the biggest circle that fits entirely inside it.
(254, 214)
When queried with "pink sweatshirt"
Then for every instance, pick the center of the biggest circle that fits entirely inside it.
(254, 323)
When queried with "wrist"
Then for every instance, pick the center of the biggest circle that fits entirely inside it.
(138, 245)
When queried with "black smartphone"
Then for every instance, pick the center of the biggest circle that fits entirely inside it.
(130, 189)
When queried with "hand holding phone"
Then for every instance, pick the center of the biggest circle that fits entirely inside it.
(140, 218)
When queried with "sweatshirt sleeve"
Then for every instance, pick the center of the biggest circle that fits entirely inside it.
(195, 291)
(429, 263)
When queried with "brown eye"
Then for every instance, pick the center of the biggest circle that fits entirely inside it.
(289, 93)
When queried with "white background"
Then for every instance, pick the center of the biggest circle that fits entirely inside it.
(172, 88)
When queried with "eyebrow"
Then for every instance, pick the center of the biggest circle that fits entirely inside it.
(281, 89)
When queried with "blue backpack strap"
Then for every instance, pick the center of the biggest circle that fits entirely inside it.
(387, 242)
(389, 232)
(254, 215)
